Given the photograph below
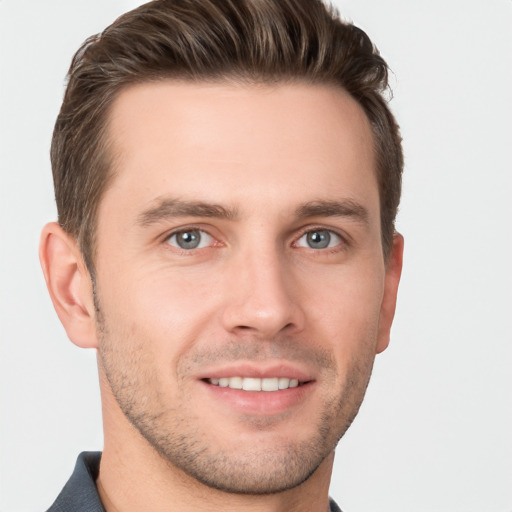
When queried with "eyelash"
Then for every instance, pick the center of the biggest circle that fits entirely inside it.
(344, 240)
(182, 251)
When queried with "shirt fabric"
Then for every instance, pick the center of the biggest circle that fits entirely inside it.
(80, 493)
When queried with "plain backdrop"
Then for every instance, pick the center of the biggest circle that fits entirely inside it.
(435, 431)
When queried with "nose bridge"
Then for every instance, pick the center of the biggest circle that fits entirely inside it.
(261, 299)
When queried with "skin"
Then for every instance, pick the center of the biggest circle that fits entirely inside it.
(255, 296)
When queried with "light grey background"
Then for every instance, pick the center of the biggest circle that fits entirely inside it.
(435, 431)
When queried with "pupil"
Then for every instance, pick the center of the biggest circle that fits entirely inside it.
(319, 239)
(188, 239)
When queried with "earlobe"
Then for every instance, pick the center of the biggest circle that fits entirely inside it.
(69, 284)
(392, 279)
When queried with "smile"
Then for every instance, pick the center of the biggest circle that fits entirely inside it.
(256, 384)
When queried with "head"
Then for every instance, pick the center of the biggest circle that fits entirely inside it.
(264, 42)
(227, 177)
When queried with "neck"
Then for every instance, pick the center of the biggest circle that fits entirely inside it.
(133, 477)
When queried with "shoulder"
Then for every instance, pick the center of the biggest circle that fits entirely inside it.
(80, 493)
(333, 507)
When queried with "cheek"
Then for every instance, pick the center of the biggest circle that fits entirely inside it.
(164, 311)
(347, 312)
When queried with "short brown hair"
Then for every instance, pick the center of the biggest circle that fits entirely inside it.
(249, 41)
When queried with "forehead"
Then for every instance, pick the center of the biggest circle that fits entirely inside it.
(238, 143)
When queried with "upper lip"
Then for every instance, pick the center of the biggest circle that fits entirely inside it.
(262, 371)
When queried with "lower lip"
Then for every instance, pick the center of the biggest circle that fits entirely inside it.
(260, 402)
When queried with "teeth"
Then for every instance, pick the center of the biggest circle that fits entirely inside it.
(270, 384)
(236, 383)
(249, 384)
(255, 384)
(284, 383)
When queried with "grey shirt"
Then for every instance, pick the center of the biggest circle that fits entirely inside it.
(80, 493)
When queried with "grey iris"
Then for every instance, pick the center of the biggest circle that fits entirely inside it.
(319, 239)
(188, 239)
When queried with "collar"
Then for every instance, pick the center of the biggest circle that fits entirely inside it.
(80, 493)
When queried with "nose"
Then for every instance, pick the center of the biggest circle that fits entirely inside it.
(262, 297)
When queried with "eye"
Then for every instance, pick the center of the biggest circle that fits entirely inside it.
(319, 239)
(190, 239)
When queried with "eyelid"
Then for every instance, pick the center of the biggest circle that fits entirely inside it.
(344, 239)
(204, 241)
(192, 227)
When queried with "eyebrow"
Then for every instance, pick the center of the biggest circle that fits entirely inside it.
(168, 208)
(344, 208)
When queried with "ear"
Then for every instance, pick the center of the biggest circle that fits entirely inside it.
(392, 279)
(69, 284)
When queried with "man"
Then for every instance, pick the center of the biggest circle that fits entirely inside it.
(227, 176)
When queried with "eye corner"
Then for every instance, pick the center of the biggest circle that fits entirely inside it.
(189, 239)
(319, 238)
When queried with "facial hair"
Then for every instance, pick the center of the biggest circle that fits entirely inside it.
(174, 427)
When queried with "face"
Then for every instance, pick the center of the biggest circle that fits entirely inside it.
(240, 276)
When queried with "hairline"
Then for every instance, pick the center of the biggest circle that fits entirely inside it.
(109, 156)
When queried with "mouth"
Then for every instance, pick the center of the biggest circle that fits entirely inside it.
(259, 389)
(267, 384)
